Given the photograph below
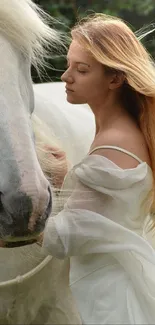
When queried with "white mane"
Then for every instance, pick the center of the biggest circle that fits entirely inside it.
(25, 25)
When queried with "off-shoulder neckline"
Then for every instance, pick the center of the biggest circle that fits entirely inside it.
(90, 157)
(141, 162)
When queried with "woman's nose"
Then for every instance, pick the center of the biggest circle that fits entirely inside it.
(66, 77)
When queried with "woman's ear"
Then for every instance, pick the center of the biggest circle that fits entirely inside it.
(117, 80)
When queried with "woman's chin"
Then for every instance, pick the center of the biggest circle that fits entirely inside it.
(72, 100)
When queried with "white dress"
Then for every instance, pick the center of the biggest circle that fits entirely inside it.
(101, 229)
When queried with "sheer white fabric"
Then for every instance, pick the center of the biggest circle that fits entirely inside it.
(112, 265)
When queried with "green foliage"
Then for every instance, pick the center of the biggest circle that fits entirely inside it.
(137, 13)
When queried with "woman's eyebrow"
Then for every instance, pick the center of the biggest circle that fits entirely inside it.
(80, 62)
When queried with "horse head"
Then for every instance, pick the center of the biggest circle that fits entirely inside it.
(25, 194)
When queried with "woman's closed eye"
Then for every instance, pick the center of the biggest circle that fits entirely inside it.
(82, 71)
(78, 67)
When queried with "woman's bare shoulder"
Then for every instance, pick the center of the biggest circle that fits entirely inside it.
(130, 140)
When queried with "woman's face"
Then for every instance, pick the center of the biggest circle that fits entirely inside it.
(86, 81)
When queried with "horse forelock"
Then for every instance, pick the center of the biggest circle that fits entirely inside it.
(26, 25)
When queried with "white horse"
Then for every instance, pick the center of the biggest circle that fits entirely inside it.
(33, 288)
(25, 195)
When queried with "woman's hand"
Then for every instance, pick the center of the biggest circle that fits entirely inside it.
(59, 165)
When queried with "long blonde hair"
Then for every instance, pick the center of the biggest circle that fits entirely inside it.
(26, 25)
(112, 43)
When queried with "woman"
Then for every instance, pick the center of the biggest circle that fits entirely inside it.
(101, 228)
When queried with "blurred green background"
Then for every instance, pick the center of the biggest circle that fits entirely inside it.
(137, 13)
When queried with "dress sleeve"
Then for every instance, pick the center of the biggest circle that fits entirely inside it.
(89, 222)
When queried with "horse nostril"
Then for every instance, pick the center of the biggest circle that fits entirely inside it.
(49, 207)
(16, 210)
(1, 205)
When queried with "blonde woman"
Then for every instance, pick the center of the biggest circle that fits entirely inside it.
(101, 227)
